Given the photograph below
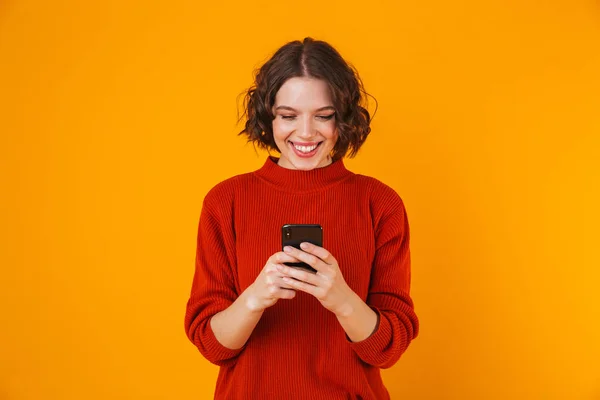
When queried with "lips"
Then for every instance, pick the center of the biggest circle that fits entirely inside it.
(304, 149)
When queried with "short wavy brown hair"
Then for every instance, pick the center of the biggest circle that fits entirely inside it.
(314, 59)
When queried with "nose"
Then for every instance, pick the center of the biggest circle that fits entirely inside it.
(306, 128)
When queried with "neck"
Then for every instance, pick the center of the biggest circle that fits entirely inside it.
(295, 180)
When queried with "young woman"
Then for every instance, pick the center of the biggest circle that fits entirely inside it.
(279, 332)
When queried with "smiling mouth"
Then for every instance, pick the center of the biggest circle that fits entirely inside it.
(304, 149)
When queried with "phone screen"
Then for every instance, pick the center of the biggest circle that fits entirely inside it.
(294, 234)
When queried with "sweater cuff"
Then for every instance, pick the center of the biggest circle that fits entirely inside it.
(372, 348)
(215, 349)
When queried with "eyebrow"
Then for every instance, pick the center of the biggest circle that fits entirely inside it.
(292, 109)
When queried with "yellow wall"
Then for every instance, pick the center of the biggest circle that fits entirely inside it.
(117, 117)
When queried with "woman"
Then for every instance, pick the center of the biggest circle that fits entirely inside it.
(279, 332)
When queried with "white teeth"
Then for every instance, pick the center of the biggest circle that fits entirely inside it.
(305, 149)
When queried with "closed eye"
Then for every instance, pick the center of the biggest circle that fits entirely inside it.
(326, 117)
(323, 117)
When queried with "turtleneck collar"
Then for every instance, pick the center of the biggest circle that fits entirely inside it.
(294, 180)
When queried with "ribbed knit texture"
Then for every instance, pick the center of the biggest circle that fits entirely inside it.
(298, 349)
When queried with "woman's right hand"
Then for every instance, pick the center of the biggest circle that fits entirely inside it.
(268, 286)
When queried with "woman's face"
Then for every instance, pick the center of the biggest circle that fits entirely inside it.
(304, 127)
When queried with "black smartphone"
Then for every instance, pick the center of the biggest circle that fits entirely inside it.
(294, 234)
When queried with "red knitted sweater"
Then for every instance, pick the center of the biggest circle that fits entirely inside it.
(298, 349)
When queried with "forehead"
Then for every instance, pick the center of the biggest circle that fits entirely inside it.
(303, 92)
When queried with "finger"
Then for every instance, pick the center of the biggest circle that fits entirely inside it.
(303, 286)
(299, 274)
(271, 267)
(310, 259)
(273, 279)
(280, 283)
(318, 251)
(281, 257)
(282, 293)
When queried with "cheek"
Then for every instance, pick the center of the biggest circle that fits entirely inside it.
(330, 132)
(280, 132)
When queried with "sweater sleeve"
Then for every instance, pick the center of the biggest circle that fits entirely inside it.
(389, 290)
(213, 287)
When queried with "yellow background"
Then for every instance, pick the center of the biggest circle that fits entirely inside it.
(117, 117)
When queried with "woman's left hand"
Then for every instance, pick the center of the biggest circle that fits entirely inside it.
(327, 284)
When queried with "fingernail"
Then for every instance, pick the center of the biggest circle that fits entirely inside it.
(304, 245)
(287, 249)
